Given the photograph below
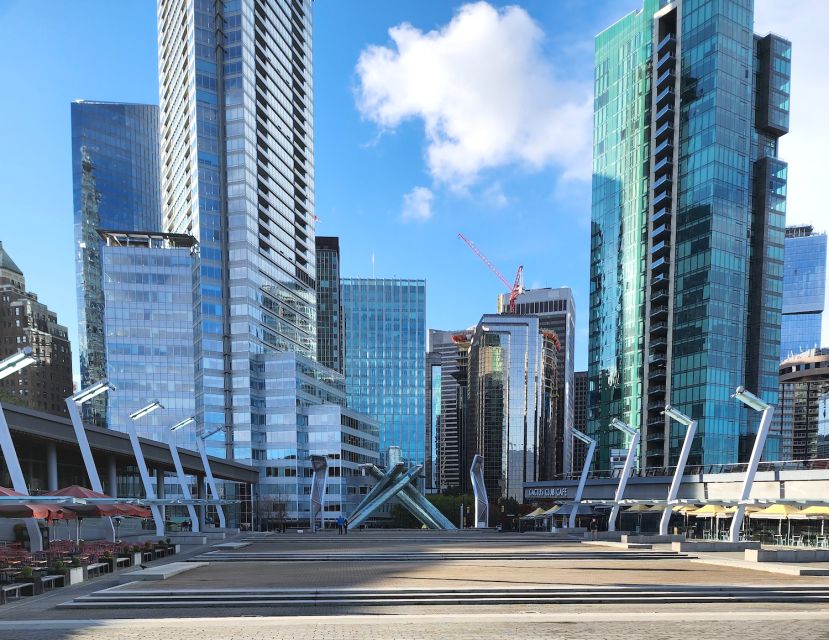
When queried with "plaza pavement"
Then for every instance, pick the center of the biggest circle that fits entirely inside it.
(663, 586)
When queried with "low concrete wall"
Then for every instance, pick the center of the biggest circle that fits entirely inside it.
(653, 538)
(713, 546)
(787, 555)
(612, 536)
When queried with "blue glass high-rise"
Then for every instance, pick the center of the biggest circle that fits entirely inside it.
(688, 217)
(385, 355)
(115, 185)
(804, 290)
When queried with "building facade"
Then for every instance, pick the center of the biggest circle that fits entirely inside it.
(688, 218)
(804, 290)
(804, 381)
(330, 339)
(308, 416)
(148, 330)
(556, 311)
(115, 185)
(446, 398)
(237, 173)
(579, 417)
(27, 322)
(512, 403)
(385, 350)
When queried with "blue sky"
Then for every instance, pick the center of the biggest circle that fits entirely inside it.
(523, 207)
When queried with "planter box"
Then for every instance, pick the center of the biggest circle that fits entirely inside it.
(136, 558)
(75, 575)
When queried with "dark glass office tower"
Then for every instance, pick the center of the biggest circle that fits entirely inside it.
(116, 185)
(329, 304)
(804, 290)
(688, 217)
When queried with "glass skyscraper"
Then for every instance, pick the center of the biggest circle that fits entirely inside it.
(116, 185)
(237, 173)
(148, 330)
(329, 307)
(804, 290)
(385, 350)
(688, 218)
(512, 385)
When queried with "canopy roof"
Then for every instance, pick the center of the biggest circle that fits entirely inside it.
(776, 512)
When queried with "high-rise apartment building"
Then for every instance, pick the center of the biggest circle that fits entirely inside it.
(385, 350)
(556, 311)
(115, 185)
(512, 371)
(147, 289)
(804, 290)
(804, 384)
(330, 340)
(579, 417)
(27, 322)
(445, 421)
(237, 173)
(688, 219)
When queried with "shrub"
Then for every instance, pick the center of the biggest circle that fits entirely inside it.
(59, 566)
(26, 573)
(76, 562)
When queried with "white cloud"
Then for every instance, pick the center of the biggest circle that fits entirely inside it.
(485, 93)
(494, 196)
(417, 204)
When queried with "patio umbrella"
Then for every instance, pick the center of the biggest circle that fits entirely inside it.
(777, 512)
(99, 510)
(638, 509)
(710, 511)
(815, 512)
(35, 510)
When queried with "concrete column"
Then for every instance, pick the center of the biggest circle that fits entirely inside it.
(112, 477)
(202, 495)
(52, 466)
(159, 483)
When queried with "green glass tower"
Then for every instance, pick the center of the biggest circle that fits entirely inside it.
(688, 219)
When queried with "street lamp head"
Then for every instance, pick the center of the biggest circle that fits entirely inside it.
(748, 398)
(622, 426)
(90, 392)
(143, 411)
(182, 424)
(16, 362)
(677, 415)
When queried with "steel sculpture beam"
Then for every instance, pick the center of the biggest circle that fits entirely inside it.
(182, 482)
(476, 474)
(418, 505)
(673, 492)
(749, 399)
(626, 470)
(320, 466)
(400, 479)
(588, 459)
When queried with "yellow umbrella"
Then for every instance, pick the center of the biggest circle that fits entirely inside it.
(778, 512)
(535, 513)
(638, 508)
(685, 508)
(708, 511)
(552, 510)
(815, 512)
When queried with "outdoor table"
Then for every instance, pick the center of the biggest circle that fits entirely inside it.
(778, 538)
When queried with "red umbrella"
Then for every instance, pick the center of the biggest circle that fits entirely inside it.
(36, 510)
(103, 510)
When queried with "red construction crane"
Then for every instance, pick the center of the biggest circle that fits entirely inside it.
(518, 285)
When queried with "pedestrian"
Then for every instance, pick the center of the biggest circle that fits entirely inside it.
(340, 523)
(345, 525)
(594, 528)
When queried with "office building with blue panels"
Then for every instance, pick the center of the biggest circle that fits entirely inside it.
(115, 185)
(147, 287)
(804, 290)
(688, 219)
(385, 351)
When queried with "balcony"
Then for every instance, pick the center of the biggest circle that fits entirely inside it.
(666, 76)
(656, 405)
(660, 311)
(664, 131)
(661, 248)
(661, 183)
(663, 114)
(661, 199)
(657, 358)
(668, 41)
(663, 149)
(657, 390)
(664, 166)
(657, 373)
(662, 215)
(660, 265)
(659, 328)
(657, 421)
(659, 297)
(666, 58)
(666, 96)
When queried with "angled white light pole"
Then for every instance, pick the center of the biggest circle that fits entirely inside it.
(211, 481)
(8, 366)
(691, 429)
(73, 405)
(591, 447)
(749, 399)
(185, 490)
(623, 479)
(149, 490)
